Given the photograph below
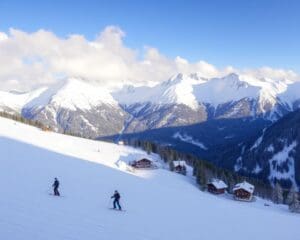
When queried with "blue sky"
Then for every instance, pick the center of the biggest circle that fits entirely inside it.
(245, 34)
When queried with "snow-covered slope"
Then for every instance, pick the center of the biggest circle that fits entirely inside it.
(292, 95)
(177, 90)
(159, 204)
(223, 90)
(14, 101)
(73, 94)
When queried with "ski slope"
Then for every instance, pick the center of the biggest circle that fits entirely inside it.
(159, 204)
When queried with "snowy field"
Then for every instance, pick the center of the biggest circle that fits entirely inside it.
(159, 204)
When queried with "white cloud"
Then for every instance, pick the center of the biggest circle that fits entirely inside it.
(30, 60)
(267, 72)
(3, 36)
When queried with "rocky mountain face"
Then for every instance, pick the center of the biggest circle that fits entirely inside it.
(273, 155)
(74, 106)
(184, 100)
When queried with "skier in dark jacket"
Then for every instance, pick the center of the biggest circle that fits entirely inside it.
(116, 198)
(55, 186)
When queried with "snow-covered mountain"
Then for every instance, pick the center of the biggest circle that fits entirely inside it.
(78, 107)
(194, 91)
(14, 102)
(189, 99)
(89, 110)
(272, 155)
(159, 204)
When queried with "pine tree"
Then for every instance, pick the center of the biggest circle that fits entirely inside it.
(201, 176)
(295, 204)
(230, 183)
(277, 195)
(171, 165)
(290, 197)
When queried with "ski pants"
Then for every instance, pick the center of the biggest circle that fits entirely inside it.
(116, 203)
(56, 192)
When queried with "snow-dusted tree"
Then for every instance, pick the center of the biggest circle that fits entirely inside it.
(201, 175)
(295, 204)
(230, 183)
(171, 165)
(290, 197)
(277, 195)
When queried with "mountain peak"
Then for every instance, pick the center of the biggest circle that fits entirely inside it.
(73, 93)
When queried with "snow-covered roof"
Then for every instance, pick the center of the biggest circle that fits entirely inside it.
(179, 163)
(244, 185)
(143, 158)
(219, 184)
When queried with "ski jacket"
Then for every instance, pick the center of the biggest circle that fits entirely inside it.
(56, 184)
(116, 196)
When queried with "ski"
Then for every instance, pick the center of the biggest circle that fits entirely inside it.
(51, 194)
(115, 209)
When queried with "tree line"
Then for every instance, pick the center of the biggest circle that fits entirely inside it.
(19, 118)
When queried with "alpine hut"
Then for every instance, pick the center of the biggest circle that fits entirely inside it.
(243, 191)
(179, 167)
(216, 186)
(143, 163)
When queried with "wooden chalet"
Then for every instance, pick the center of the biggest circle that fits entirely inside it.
(217, 186)
(179, 167)
(243, 191)
(143, 163)
(46, 128)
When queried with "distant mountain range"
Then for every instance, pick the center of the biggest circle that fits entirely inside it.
(191, 113)
(78, 106)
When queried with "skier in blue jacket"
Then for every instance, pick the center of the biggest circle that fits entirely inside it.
(55, 186)
(116, 198)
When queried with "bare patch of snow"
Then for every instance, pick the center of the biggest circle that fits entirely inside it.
(239, 164)
(229, 136)
(270, 148)
(257, 169)
(189, 139)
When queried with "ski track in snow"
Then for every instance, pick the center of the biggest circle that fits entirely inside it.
(159, 204)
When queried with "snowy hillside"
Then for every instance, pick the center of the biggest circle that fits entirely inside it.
(14, 101)
(159, 204)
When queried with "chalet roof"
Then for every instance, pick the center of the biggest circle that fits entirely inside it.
(179, 163)
(218, 184)
(245, 186)
(144, 159)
